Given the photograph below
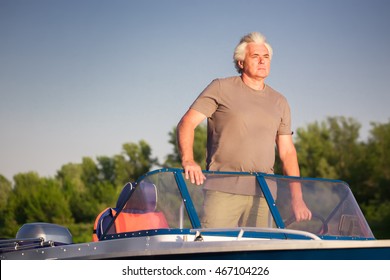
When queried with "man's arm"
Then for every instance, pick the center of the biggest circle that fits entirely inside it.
(288, 156)
(185, 138)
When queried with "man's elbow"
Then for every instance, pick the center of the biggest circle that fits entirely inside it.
(287, 155)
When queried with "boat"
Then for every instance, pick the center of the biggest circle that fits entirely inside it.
(159, 217)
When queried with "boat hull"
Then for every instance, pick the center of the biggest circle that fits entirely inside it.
(156, 247)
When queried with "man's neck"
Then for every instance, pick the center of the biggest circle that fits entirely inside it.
(256, 84)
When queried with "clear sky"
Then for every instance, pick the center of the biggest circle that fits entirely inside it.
(80, 77)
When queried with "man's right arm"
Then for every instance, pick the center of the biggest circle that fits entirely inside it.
(185, 138)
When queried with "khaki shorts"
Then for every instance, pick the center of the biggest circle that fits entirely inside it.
(221, 210)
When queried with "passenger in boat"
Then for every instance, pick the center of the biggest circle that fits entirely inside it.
(246, 118)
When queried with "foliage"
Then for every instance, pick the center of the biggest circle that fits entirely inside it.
(329, 149)
(378, 216)
(5, 192)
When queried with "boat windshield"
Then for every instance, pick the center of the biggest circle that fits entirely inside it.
(165, 199)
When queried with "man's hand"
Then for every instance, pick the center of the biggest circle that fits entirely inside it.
(300, 210)
(193, 172)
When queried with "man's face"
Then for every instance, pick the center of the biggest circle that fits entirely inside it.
(257, 61)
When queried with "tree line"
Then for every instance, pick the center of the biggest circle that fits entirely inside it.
(79, 192)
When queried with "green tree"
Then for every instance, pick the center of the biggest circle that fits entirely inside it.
(376, 195)
(70, 177)
(95, 193)
(138, 159)
(77, 180)
(378, 161)
(347, 150)
(313, 144)
(37, 199)
(5, 192)
(330, 149)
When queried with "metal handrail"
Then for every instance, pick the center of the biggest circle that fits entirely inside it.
(241, 231)
(8, 245)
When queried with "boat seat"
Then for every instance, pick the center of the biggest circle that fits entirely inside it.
(139, 212)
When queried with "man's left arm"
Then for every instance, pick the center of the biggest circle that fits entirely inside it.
(288, 156)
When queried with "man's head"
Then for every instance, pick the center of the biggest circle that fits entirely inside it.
(241, 49)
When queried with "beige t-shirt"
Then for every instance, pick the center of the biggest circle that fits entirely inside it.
(242, 125)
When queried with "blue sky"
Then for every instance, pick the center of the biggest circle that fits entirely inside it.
(81, 78)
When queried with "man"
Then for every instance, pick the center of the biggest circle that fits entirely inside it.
(246, 118)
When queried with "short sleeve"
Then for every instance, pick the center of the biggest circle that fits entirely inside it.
(285, 122)
(207, 102)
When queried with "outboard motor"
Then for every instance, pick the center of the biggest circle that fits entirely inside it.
(49, 232)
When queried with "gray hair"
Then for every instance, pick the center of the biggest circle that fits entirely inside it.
(240, 50)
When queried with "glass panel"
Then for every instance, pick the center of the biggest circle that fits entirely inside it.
(197, 197)
(218, 206)
(334, 209)
(156, 203)
(169, 200)
(231, 200)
